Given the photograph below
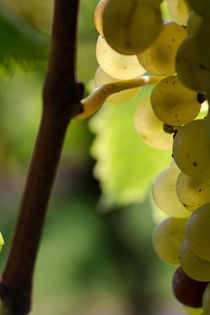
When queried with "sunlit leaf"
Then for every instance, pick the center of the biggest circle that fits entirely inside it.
(125, 165)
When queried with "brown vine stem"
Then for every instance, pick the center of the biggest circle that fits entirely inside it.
(61, 102)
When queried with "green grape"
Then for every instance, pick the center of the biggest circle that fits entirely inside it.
(198, 232)
(102, 78)
(179, 10)
(206, 299)
(173, 103)
(98, 16)
(173, 164)
(131, 26)
(193, 311)
(117, 65)
(208, 125)
(193, 23)
(150, 128)
(193, 192)
(167, 239)
(159, 58)
(164, 194)
(202, 43)
(195, 267)
(191, 149)
(200, 6)
(154, 2)
(189, 66)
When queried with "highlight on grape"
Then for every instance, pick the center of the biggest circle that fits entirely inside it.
(136, 47)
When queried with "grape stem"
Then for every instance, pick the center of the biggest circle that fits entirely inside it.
(61, 101)
(97, 98)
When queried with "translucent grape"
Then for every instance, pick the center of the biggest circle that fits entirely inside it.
(191, 149)
(198, 232)
(167, 239)
(195, 267)
(208, 125)
(206, 299)
(159, 58)
(102, 78)
(179, 10)
(164, 193)
(193, 23)
(98, 16)
(150, 128)
(117, 65)
(193, 192)
(173, 103)
(137, 25)
(189, 66)
(193, 311)
(201, 42)
(172, 164)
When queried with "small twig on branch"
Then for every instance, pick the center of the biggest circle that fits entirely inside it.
(97, 98)
(61, 102)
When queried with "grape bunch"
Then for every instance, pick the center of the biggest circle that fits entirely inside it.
(136, 47)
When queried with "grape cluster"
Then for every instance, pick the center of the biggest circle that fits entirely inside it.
(134, 39)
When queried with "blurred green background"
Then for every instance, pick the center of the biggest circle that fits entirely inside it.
(96, 256)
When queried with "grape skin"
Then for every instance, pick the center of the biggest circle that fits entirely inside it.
(193, 23)
(117, 65)
(137, 25)
(164, 193)
(191, 149)
(167, 238)
(179, 10)
(201, 43)
(98, 16)
(208, 125)
(150, 128)
(172, 164)
(193, 311)
(159, 58)
(195, 267)
(193, 192)
(198, 232)
(189, 66)
(173, 103)
(206, 299)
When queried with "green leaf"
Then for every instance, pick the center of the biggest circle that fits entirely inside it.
(20, 41)
(125, 165)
